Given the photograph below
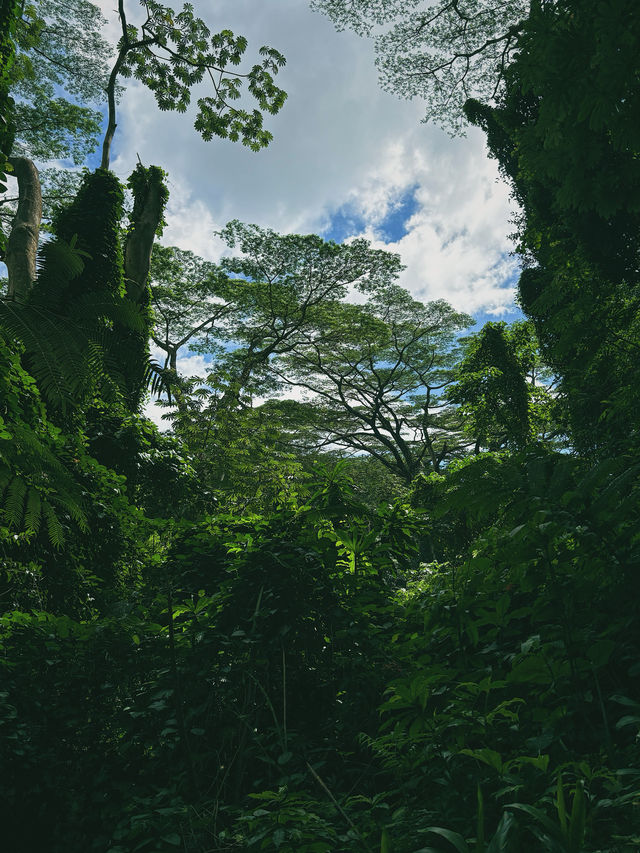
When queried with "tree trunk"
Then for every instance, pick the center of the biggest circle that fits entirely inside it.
(139, 244)
(22, 245)
(149, 198)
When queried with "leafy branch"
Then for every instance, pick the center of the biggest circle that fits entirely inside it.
(174, 52)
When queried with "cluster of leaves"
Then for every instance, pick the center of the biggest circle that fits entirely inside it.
(443, 52)
(58, 79)
(175, 51)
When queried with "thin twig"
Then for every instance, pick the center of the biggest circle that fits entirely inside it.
(338, 806)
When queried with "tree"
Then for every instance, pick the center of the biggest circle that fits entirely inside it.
(376, 375)
(242, 315)
(444, 52)
(61, 73)
(8, 17)
(377, 371)
(503, 389)
(172, 54)
(190, 298)
(280, 286)
(569, 147)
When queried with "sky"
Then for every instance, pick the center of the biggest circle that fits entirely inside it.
(347, 160)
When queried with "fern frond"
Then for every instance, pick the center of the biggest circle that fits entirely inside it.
(65, 259)
(156, 379)
(54, 527)
(14, 502)
(33, 511)
(67, 504)
(52, 351)
(5, 476)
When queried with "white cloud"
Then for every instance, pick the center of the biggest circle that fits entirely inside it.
(456, 246)
(339, 140)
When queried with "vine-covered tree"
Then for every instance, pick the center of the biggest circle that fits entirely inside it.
(567, 142)
(504, 391)
(172, 53)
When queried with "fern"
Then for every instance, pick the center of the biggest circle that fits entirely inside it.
(70, 357)
(33, 466)
(51, 349)
(14, 502)
(54, 527)
(156, 379)
(33, 511)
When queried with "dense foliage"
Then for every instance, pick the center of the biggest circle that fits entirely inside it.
(397, 615)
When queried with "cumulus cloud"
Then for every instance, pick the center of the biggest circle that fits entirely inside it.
(456, 245)
(340, 143)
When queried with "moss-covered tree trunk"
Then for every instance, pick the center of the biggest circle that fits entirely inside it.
(22, 245)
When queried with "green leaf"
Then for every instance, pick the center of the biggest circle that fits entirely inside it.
(453, 837)
(540, 816)
(385, 843)
(600, 652)
(498, 843)
(487, 756)
(627, 721)
(480, 821)
(578, 818)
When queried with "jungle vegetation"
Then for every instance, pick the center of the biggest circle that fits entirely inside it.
(396, 611)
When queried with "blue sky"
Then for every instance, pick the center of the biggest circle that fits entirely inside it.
(349, 221)
(347, 160)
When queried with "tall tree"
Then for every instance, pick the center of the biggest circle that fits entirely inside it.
(172, 53)
(280, 286)
(503, 389)
(58, 81)
(376, 375)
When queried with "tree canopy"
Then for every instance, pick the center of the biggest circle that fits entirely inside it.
(376, 373)
(58, 79)
(443, 52)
